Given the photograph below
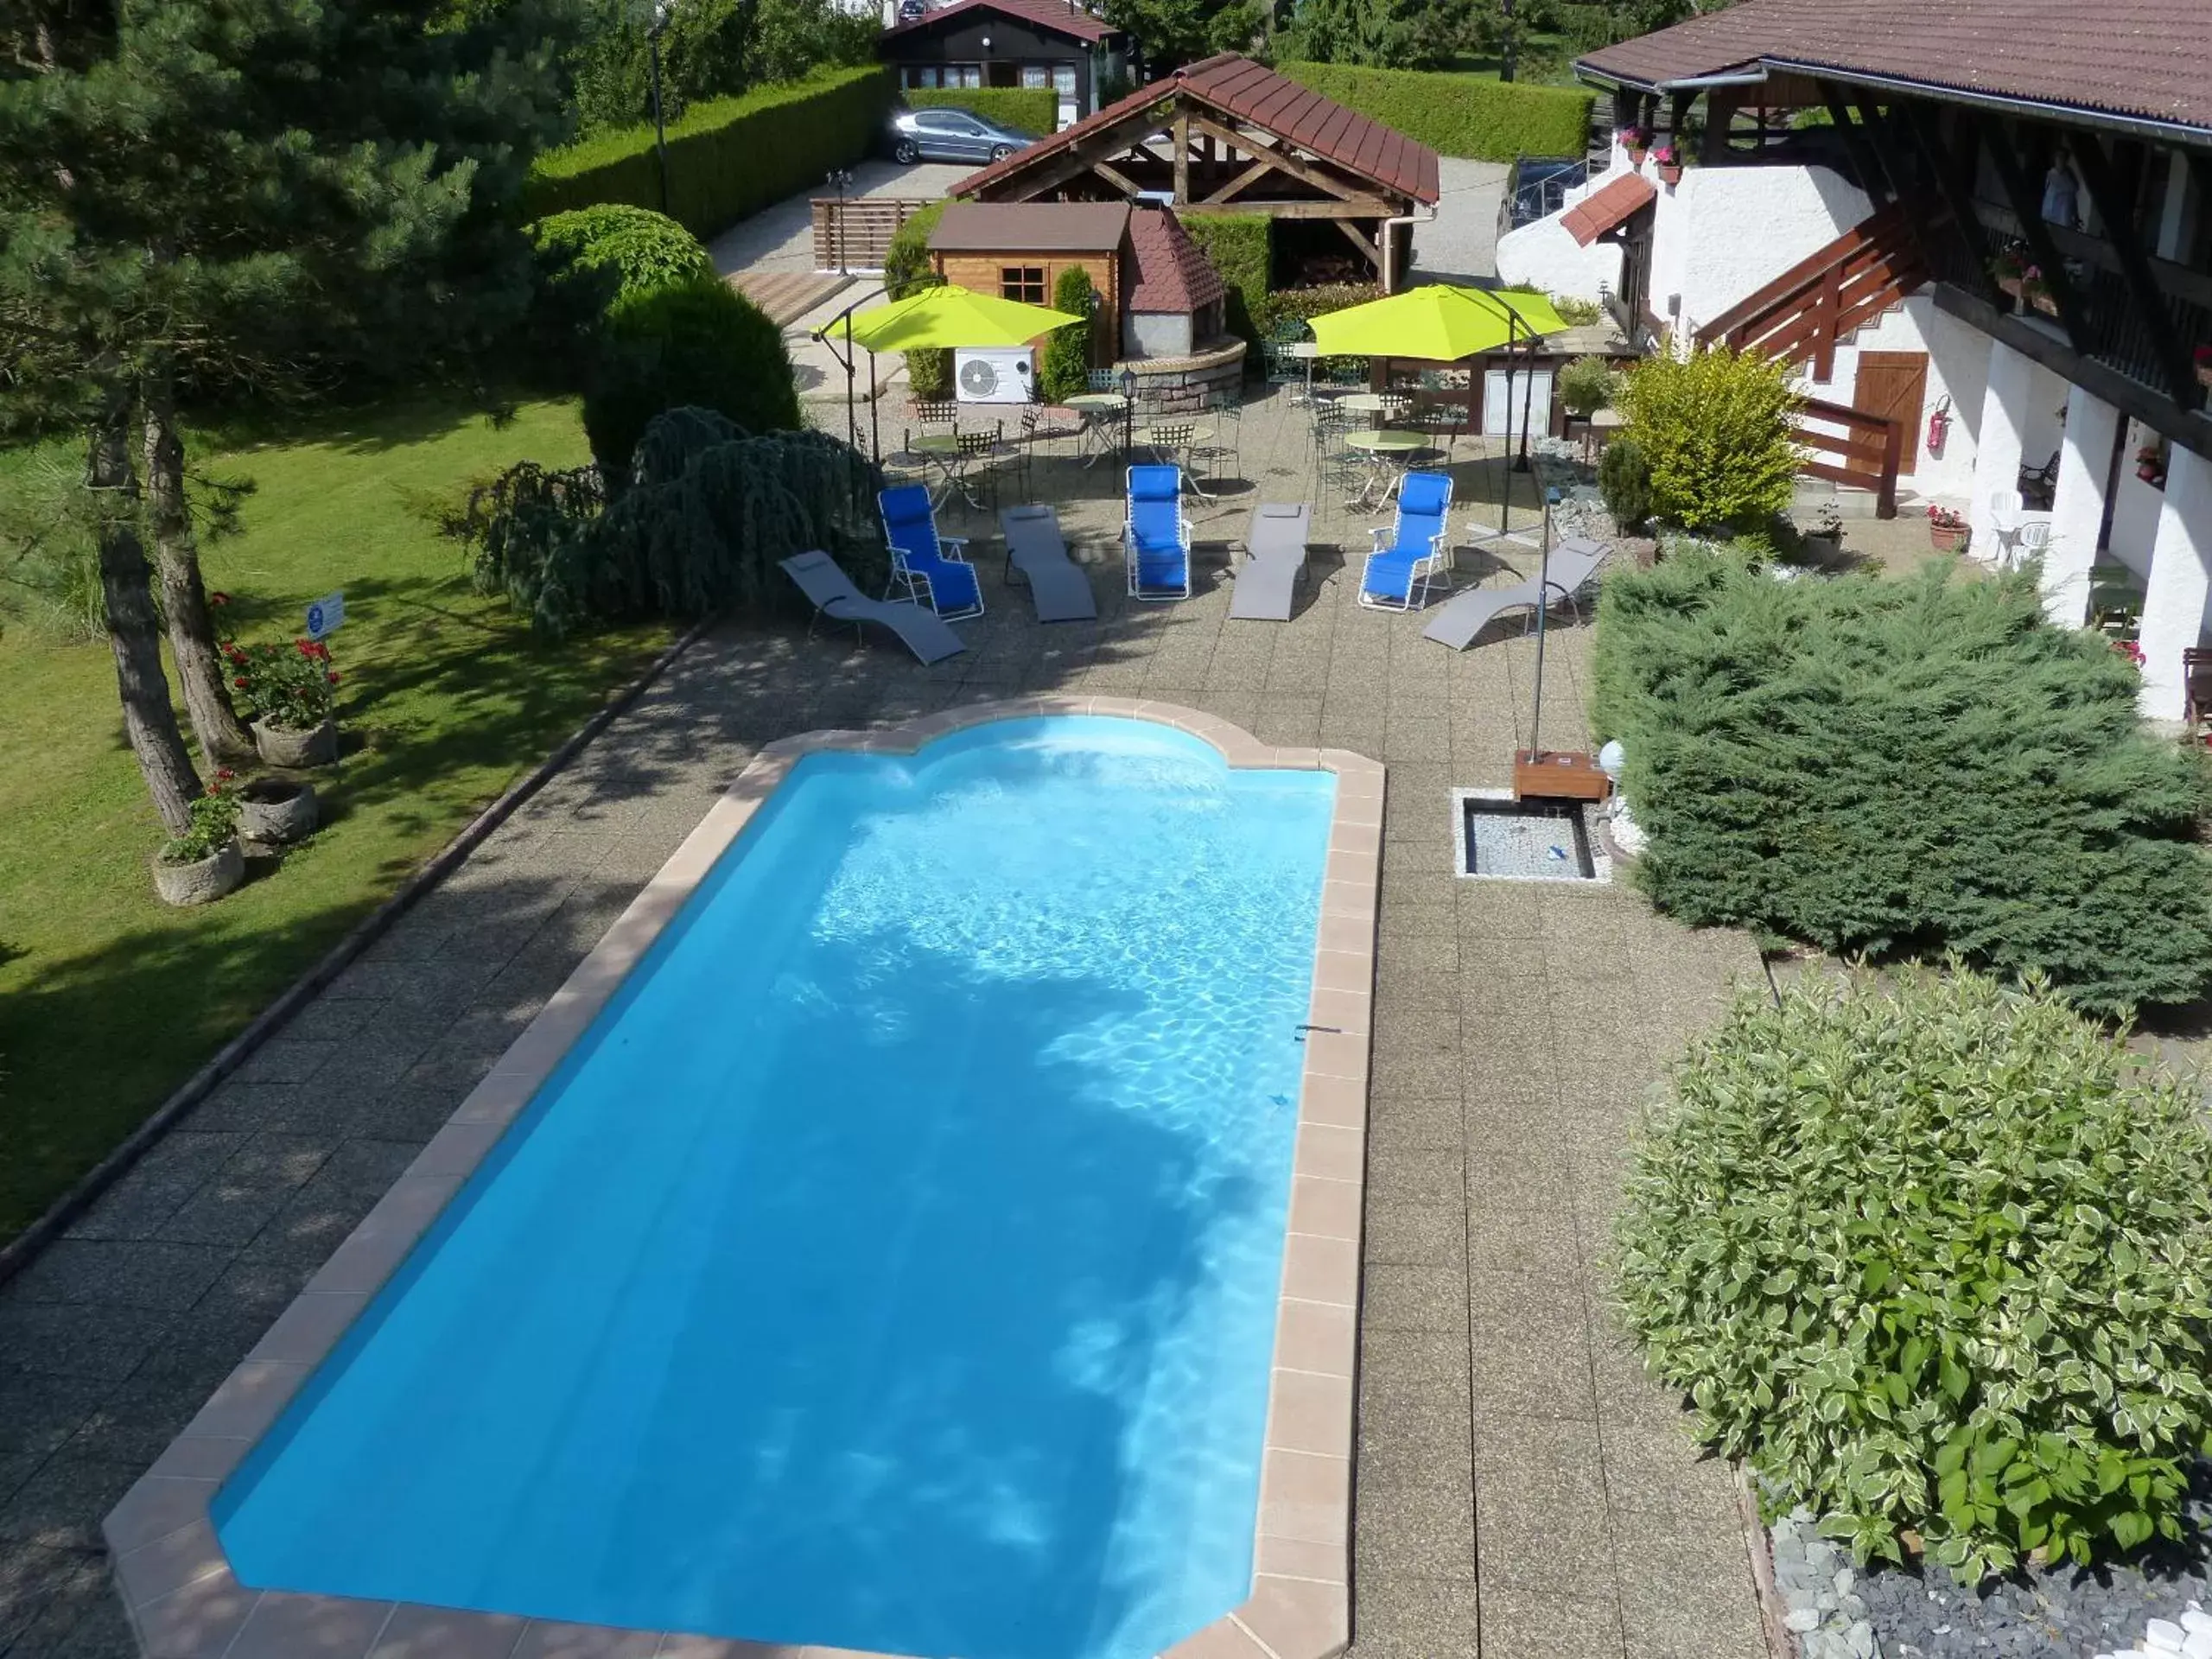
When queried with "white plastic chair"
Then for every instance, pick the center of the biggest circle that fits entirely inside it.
(2034, 541)
(2005, 510)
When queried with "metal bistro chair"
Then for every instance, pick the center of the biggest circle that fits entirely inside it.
(1103, 380)
(978, 471)
(1226, 411)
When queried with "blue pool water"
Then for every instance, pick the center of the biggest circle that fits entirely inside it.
(893, 1265)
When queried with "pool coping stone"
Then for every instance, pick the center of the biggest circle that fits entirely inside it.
(176, 1584)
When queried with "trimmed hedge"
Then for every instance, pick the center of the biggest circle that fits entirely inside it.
(700, 344)
(1033, 110)
(1239, 247)
(1469, 115)
(1905, 766)
(726, 158)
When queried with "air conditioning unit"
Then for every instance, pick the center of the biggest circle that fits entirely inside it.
(1000, 375)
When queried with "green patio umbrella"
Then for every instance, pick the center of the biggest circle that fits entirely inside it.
(948, 317)
(1437, 323)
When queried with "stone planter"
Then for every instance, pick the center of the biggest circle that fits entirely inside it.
(274, 810)
(281, 746)
(203, 883)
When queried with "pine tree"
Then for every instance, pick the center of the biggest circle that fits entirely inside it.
(250, 198)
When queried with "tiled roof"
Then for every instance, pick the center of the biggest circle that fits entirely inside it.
(1031, 227)
(1251, 92)
(1172, 273)
(1054, 16)
(1605, 209)
(2144, 58)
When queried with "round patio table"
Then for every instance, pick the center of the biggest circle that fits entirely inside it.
(1099, 410)
(1384, 447)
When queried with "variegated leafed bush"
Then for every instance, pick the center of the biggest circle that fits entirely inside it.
(1931, 1256)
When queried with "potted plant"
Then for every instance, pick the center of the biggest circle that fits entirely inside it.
(2204, 366)
(1824, 542)
(2006, 269)
(1636, 141)
(201, 865)
(1669, 161)
(2150, 466)
(288, 691)
(1947, 531)
(277, 811)
(2034, 292)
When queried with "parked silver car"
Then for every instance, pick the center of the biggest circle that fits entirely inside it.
(948, 135)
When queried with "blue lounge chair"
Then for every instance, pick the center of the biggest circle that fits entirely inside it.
(1414, 554)
(1157, 537)
(929, 569)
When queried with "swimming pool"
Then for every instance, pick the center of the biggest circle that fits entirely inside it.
(893, 1263)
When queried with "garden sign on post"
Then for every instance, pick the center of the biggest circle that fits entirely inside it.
(325, 614)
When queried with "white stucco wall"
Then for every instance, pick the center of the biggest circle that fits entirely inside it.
(1723, 231)
(1958, 367)
(1542, 255)
(2135, 514)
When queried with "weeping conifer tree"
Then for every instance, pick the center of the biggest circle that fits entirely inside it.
(710, 511)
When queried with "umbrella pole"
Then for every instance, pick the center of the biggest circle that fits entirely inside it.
(875, 432)
(1543, 608)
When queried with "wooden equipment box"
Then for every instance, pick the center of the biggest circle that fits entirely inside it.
(1558, 775)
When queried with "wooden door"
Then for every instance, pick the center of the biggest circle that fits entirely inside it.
(1895, 384)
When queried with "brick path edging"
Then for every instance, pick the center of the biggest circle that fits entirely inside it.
(20, 1251)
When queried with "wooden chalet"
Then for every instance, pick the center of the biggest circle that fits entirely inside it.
(1232, 134)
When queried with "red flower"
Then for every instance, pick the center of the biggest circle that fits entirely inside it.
(219, 598)
(241, 680)
(224, 774)
(333, 679)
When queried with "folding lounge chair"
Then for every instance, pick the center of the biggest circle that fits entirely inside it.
(1458, 622)
(1274, 549)
(1417, 553)
(1035, 546)
(921, 567)
(1157, 538)
(833, 595)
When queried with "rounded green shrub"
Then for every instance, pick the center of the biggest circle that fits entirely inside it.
(1585, 385)
(1625, 482)
(699, 344)
(1933, 1259)
(630, 249)
(1714, 429)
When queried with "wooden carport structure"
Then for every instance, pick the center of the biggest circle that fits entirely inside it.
(1232, 134)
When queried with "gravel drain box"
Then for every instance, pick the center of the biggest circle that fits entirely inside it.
(1497, 838)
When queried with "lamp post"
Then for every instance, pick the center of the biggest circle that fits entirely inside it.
(1129, 413)
(662, 9)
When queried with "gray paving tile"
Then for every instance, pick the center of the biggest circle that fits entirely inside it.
(72, 1339)
(1403, 1233)
(59, 1506)
(1519, 1623)
(131, 1274)
(1422, 1523)
(1400, 1616)
(1415, 1297)
(239, 1198)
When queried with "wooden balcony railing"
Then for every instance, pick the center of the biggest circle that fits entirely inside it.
(1852, 447)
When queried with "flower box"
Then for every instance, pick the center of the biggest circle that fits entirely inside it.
(204, 881)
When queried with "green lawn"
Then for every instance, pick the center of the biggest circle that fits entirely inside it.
(109, 999)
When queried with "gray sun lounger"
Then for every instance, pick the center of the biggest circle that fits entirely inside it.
(1274, 547)
(1461, 618)
(1035, 546)
(831, 591)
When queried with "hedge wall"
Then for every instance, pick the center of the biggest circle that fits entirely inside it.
(1904, 765)
(1239, 245)
(728, 157)
(1033, 110)
(1469, 116)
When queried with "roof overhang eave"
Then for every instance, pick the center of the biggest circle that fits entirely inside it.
(2081, 115)
(1749, 74)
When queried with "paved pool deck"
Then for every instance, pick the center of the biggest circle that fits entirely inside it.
(1521, 1489)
